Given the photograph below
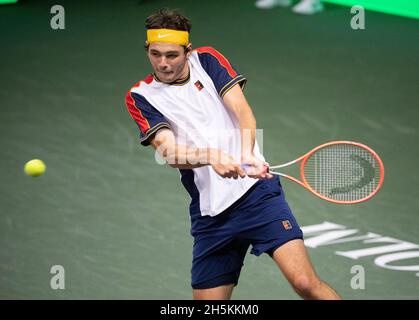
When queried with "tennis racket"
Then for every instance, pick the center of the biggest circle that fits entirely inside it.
(343, 172)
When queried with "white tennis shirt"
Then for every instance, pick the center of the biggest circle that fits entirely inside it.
(195, 112)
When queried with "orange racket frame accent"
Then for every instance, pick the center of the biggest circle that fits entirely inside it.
(305, 184)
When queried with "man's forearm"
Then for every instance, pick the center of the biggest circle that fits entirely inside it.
(248, 134)
(183, 157)
(237, 104)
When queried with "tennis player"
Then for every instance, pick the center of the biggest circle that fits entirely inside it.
(192, 110)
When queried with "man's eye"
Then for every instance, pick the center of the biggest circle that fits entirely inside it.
(172, 56)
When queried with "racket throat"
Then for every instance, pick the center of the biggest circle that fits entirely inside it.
(289, 178)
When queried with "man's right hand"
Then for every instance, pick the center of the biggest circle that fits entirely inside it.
(256, 168)
(226, 166)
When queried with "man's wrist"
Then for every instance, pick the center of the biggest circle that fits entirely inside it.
(247, 157)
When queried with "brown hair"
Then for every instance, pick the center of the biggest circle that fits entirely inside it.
(168, 19)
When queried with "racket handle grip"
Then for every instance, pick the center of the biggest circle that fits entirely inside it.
(247, 166)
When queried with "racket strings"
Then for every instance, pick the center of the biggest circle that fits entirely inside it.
(343, 172)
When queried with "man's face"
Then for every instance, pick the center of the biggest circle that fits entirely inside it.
(168, 61)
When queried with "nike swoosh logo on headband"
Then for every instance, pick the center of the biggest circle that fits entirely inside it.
(163, 35)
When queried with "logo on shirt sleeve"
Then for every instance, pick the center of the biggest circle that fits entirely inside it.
(199, 85)
(287, 225)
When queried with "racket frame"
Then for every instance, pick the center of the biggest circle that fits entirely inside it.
(304, 158)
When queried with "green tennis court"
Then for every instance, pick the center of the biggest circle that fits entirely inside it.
(118, 223)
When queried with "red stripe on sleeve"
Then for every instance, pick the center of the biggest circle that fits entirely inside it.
(136, 112)
(221, 59)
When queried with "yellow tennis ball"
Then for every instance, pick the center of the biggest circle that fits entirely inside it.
(35, 167)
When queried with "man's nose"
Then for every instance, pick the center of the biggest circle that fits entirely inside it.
(163, 63)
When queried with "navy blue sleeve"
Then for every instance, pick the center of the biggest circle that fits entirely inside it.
(223, 75)
(148, 118)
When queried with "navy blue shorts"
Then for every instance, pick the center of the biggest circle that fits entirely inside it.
(261, 218)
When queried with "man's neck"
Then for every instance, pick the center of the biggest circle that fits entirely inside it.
(185, 73)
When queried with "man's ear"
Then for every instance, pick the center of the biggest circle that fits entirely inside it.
(188, 49)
